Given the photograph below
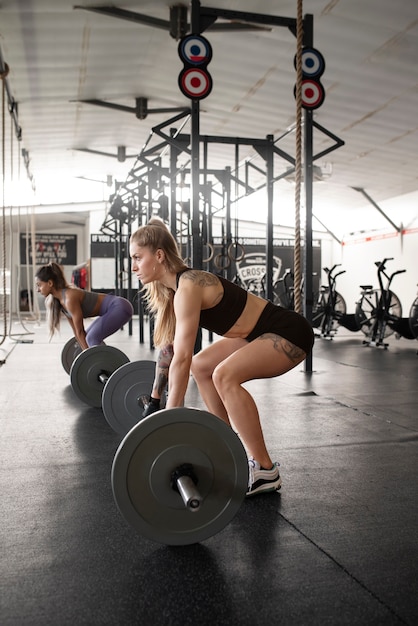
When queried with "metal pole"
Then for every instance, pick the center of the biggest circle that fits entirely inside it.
(196, 252)
(269, 231)
(308, 176)
(173, 187)
(227, 197)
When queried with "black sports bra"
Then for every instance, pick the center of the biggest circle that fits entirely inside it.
(220, 318)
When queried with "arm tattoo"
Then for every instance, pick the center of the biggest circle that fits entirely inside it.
(201, 278)
(164, 359)
(165, 356)
(161, 381)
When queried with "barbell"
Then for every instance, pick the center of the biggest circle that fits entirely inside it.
(103, 376)
(179, 476)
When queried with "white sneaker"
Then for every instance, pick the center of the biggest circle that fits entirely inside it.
(262, 480)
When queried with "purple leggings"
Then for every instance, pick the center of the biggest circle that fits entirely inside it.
(114, 313)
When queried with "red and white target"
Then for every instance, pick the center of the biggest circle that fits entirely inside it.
(195, 83)
(312, 94)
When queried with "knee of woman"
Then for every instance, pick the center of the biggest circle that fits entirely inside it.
(93, 339)
(221, 377)
(199, 367)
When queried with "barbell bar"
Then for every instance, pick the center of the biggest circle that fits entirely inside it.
(179, 476)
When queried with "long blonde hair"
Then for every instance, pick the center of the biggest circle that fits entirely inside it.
(53, 272)
(159, 298)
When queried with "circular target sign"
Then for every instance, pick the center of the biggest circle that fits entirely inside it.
(195, 50)
(313, 94)
(313, 63)
(195, 83)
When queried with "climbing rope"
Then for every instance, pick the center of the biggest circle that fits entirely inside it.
(3, 221)
(15, 286)
(297, 265)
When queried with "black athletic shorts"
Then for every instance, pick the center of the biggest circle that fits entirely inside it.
(288, 324)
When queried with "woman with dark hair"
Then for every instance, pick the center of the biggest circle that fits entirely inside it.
(111, 312)
(259, 340)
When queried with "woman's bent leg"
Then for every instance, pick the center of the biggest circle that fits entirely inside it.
(203, 365)
(115, 312)
(266, 357)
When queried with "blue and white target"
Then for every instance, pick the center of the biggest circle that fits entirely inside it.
(195, 50)
(313, 63)
(195, 83)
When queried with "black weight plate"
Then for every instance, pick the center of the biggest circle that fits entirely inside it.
(145, 459)
(69, 352)
(87, 368)
(121, 400)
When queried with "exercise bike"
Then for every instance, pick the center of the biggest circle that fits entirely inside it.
(413, 318)
(330, 308)
(284, 290)
(379, 311)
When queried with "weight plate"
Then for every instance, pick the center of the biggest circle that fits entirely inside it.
(69, 352)
(145, 459)
(87, 368)
(121, 399)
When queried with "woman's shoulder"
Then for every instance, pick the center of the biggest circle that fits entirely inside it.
(200, 278)
(74, 293)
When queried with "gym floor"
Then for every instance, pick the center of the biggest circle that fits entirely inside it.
(337, 545)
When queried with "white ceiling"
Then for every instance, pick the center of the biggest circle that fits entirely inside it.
(59, 55)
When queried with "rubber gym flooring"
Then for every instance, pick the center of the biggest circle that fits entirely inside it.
(337, 545)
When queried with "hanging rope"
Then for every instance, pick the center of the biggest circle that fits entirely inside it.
(3, 243)
(15, 282)
(297, 265)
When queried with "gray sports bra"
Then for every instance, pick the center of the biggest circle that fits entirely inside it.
(88, 303)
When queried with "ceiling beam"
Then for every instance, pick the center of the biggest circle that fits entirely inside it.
(376, 206)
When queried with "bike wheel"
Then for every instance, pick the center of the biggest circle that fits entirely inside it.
(366, 312)
(319, 310)
(413, 318)
(340, 309)
(370, 315)
(394, 313)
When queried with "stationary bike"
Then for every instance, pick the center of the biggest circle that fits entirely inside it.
(379, 311)
(330, 307)
(285, 296)
(413, 320)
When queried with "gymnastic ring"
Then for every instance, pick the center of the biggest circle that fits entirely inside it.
(210, 250)
(218, 264)
(236, 245)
